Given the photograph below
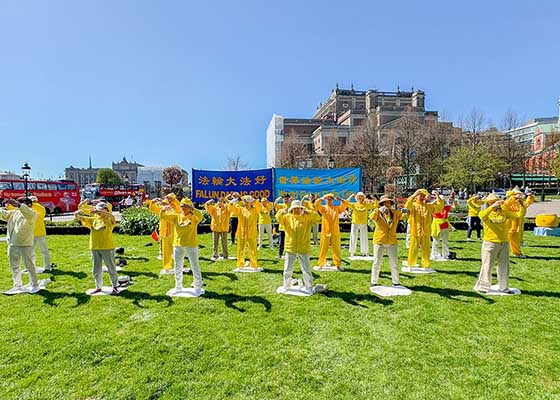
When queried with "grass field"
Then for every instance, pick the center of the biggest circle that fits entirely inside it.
(243, 341)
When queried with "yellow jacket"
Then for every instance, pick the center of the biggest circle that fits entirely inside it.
(20, 225)
(474, 204)
(329, 217)
(219, 217)
(247, 217)
(277, 208)
(298, 229)
(185, 227)
(40, 229)
(165, 226)
(360, 212)
(101, 231)
(496, 224)
(264, 214)
(420, 215)
(385, 227)
(516, 224)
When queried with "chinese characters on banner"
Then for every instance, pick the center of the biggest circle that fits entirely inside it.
(214, 184)
(298, 182)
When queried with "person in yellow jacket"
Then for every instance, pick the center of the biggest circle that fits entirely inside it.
(440, 229)
(359, 228)
(233, 199)
(247, 213)
(495, 245)
(185, 226)
(386, 218)
(420, 221)
(287, 199)
(516, 203)
(298, 221)
(265, 222)
(474, 204)
(330, 228)
(165, 233)
(101, 243)
(529, 199)
(20, 219)
(40, 235)
(219, 225)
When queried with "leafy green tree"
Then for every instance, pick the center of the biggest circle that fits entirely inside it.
(472, 167)
(108, 177)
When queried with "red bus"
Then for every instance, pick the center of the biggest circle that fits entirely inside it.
(115, 194)
(56, 196)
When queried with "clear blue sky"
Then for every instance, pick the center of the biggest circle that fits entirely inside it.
(189, 83)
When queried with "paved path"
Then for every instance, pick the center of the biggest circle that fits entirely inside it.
(546, 207)
(70, 217)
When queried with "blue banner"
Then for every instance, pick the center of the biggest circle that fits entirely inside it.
(208, 185)
(341, 182)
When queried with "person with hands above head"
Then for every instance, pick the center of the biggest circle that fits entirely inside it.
(495, 245)
(308, 201)
(265, 222)
(20, 219)
(247, 213)
(233, 199)
(185, 224)
(287, 199)
(219, 225)
(165, 231)
(440, 229)
(297, 222)
(359, 228)
(40, 235)
(474, 204)
(386, 218)
(101, 222)
(421, 206)
(330, 228)
(516, 202)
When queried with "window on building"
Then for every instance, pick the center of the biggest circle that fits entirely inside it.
(18, 186)
(31, 186)
(344, 105)
(5, 185)
(41, 186)
(52, 186)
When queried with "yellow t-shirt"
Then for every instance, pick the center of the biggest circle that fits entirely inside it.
(185, 227)
(360, 212)
(264, 214)
(219, 217)
(496, 224)
(298, 229)
(101, 231)
(40, 229)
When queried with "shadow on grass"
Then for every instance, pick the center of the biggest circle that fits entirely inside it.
(543, 246)
(354, 298)
(272, 271)
(230, 275)
(230, 299)
(74, 274)
(134, 258)
(451, 294)
(357, 271)
(540, 258)
(50, 298)
(468, 259)
(138, 273)
(474, 274)
(540, 293)
(137, 297)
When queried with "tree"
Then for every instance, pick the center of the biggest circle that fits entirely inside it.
(472, 167)
(473, 124)
(236, 164)
(173, 176)
(107, 176)
(292, 153)
(367, 151)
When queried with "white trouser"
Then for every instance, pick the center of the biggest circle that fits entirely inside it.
(42, 242)
(315, 233)
(490, 252)
(359, 230)
(378, 250)
(305, 269)
(268, 229)
(444, 237)
(179, 256)
(108, 257)
(15, 254)
(407, 240)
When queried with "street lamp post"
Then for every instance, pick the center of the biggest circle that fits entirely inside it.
(25, 170)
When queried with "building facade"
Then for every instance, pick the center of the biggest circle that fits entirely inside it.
(82, 176)
(128, 171)
(344, 114)
(152, 179)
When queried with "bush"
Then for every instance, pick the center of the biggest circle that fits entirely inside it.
(138, 221)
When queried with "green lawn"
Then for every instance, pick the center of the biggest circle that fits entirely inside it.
(243, 341)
